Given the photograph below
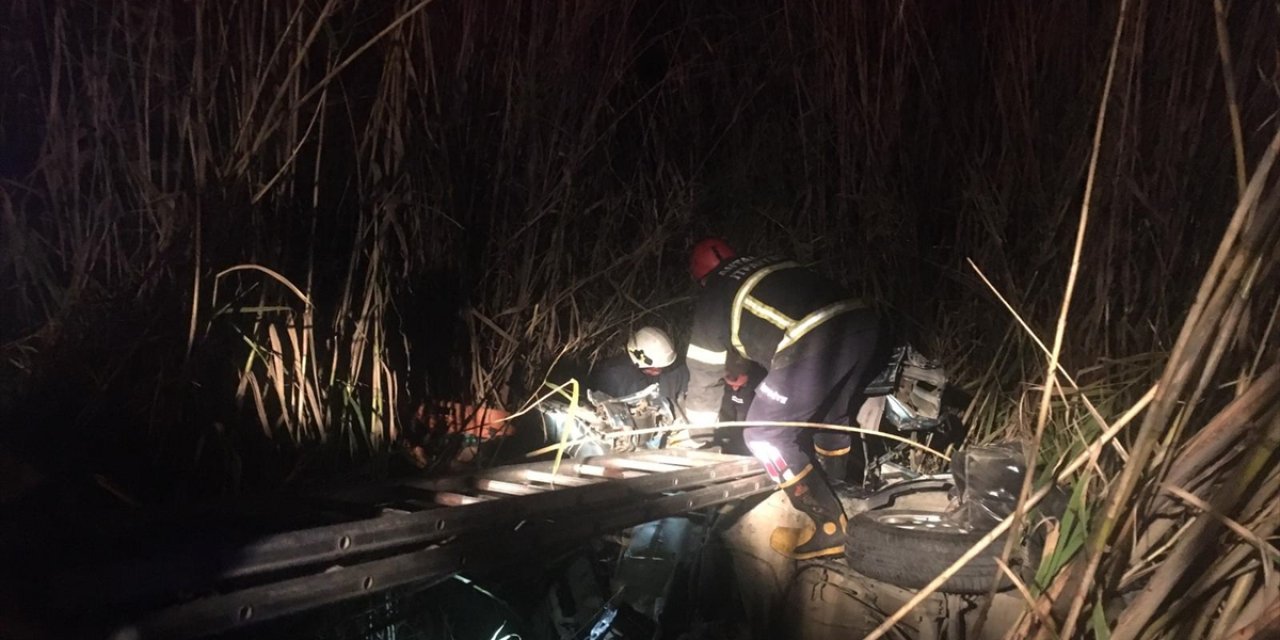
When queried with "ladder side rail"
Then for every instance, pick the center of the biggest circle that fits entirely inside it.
(259, 604)
(201, 567)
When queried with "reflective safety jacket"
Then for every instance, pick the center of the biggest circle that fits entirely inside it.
(758, 307)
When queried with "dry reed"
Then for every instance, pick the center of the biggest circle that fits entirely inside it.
(242, 239)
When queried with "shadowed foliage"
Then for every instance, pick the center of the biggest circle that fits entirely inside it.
(243, 241)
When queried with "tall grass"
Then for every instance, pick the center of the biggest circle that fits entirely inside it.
(244, 239)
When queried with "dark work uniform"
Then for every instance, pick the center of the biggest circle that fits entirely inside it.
(740, 380)
(737, 397)
(619, 376)
(816, 344)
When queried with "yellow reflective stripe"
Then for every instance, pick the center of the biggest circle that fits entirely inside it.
(740, 299)
(811, 321)
(797, 478)
(705, 356)
(768, 313)
(832, 454)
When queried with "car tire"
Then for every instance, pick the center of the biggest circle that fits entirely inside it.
(910, 548)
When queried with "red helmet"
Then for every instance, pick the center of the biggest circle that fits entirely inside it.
(707, 255)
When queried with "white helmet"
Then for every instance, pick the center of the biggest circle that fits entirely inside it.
(651, 347)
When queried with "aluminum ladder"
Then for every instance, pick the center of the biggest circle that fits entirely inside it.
(418, 531)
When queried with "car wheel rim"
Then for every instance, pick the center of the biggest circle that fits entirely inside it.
(920, 521)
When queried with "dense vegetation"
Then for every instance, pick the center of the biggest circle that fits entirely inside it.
(241, 237)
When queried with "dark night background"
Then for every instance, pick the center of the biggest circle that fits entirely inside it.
(543, 166)
(490, 185)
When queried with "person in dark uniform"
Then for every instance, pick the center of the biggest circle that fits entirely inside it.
(740, 380)
(817, 347)
(650, 359)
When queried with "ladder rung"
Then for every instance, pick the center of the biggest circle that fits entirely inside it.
(225, 612)
(676, 461)
(582, 490)
(562, 479)
(413, 505)
(508, 488)
(693, 454)
(642, 465)
(451, 499)
(607, 472)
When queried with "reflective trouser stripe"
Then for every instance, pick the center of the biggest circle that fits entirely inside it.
(788, 481)
(775, 464)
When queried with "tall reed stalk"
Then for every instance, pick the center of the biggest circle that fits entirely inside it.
(242, 239)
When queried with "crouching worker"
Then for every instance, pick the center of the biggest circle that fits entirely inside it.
(650, 359)
(817, 347)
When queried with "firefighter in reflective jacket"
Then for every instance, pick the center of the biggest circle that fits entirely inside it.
(817, 346)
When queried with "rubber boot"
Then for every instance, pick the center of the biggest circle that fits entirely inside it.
(810, 495)
(835, 467)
